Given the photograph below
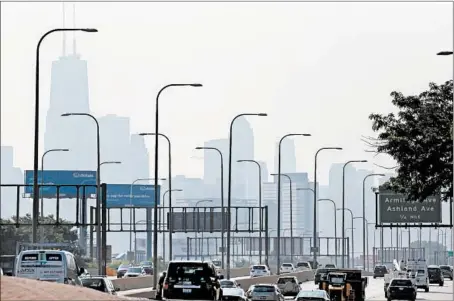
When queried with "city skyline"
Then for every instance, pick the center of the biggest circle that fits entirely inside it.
(278, 99)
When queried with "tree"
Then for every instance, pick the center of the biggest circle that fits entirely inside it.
(9, 234)
(419, 138)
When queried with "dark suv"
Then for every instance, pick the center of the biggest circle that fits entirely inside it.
(401, 289)
(380, 271)
(435, 275)
(447, 271)
(191, 280)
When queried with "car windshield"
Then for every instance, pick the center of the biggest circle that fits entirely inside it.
(321, 271)
(135, 270)
(192, 271)
(287, 265)
(303, 264)
(146, 263)
(97, 284)
(227, 284)
(432, 271)
(380, 268)
(401, 282)
(445, 267)
(284, 280)
(259, 267)
(264, 289)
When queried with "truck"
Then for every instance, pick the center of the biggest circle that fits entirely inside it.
(417, 271)
(345, 285)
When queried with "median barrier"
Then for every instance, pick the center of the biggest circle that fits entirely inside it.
(245, 284)
(133, 283)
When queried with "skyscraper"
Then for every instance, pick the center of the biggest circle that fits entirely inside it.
(288, 157)
(138, 161)
(69, 93)
(212, 167)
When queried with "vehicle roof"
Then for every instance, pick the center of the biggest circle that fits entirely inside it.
(189, 261)
(37, 251)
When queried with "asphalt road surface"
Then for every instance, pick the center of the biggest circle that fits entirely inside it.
(375, 292)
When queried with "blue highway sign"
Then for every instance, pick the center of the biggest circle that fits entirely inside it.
(62, 177)
(121, 195)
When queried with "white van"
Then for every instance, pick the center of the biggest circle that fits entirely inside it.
(48, 265)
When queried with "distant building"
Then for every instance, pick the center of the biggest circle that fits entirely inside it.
(10, 175)
(288, 156)
(212, 167)
(69, 94)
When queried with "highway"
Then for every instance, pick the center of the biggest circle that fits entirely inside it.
(374, 291)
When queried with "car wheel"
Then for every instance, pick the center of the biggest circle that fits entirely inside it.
(450, 278)
(442, 283)
(375, 277)
(386, 295)
(426, 289)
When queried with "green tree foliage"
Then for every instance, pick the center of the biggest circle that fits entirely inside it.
(9, 235)
(419, 138)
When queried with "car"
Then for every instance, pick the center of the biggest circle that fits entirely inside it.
(313, 295)
(100, 283)
(217, 263)
(122, 269)
(134, 272)
(401, 289)
(259, 270)
(380, 271)
(147, 267)
(447, 271)
(249, 291)
(232, 291)
(191, 280)
(288, 285)
(268, 292)
(330, 266)
(435, 275)
(287, 268)
(304, 266)
(320, 275)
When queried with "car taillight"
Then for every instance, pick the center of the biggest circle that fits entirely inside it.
(166, 285)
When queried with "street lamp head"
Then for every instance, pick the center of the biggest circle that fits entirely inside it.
(306, 135)
(146, 134)
(338, 148)
(89, 29)
(162, 179)
(199, 147)
(362, 161)
(196, 85)
(179, 190)
(262, 114)
(66, 114)
(64, 150)
(445, 53)
(381, 175)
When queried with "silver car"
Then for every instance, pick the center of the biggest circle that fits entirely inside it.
(267, 292)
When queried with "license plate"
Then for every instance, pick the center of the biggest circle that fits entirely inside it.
(187, 290)
(263, 298)
(401, 288)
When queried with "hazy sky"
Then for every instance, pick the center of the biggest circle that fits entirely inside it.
(318, 68)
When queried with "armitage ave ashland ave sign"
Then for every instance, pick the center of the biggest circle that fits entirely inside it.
(395, 208)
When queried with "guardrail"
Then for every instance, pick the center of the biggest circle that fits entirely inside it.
(245, 283)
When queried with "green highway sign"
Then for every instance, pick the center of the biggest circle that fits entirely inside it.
(450, 253)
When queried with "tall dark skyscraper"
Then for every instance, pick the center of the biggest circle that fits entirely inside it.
(69, 93)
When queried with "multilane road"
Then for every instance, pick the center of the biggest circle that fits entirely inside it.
(375, 292)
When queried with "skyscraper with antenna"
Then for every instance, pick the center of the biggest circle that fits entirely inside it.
(69, 93)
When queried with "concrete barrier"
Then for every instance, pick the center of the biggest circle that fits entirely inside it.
(245, 284)
(133, 283)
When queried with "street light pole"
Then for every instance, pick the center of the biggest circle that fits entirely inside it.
(222, 200)
(365, 222)
(229, 185)
(169, 220)
(36, 136)
(353, 242)
(98, 190)
(260, 204)
(170, 190)
(343, 206)
(131, 206)
(42, 182)
(196, 240)
(315, 202)
(291, 214)
(156, 170)
(335, 226)
(364, 212)
(279, 197)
